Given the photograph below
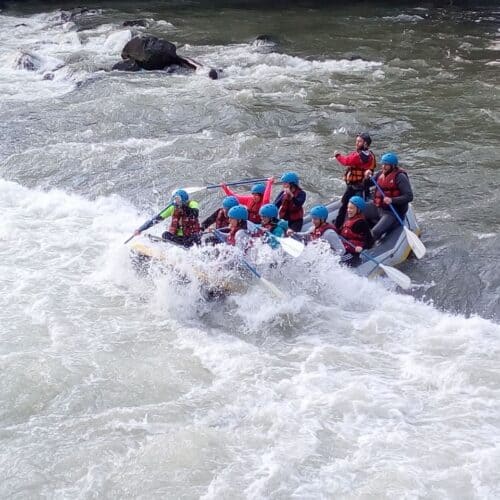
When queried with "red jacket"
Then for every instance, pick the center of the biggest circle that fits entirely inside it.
(249, 201)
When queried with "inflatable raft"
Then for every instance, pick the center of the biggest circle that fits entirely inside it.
(148, 250)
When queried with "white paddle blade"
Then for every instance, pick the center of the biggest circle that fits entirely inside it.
(398, 277)
(291, 246)
(416, 244)
(272, 288)
(194, 189)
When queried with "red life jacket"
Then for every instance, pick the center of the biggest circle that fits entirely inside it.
(388, 186)
(289, 211)
(253, 210)
(317, 232)
(184, 219)
(356, 239)
(222, 220)
(356, 174)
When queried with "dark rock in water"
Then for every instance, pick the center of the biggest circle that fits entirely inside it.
(71, 15)
(48, 76)
(126, 65)
(136, 22)
(215, 74)
(29, 62)
(20, 24)
(150, 52)
(353, 57)
(265, 40)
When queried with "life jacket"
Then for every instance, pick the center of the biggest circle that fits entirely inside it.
(222, 220)
(317, 232)
(388, 186)
(253, 210)
(355, 238)
(289, 211)
(356, 174)
(184, 222)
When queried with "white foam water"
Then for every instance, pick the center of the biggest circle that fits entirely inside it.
(117, 385)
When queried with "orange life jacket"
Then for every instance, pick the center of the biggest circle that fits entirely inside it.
(388, 186)
(356, 174)
(356, 239)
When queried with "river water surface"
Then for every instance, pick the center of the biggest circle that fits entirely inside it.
(116, 386)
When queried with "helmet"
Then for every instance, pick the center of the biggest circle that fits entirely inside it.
(319, 212)
(258, 188)
(270, 210)
(229, 202)
(358, 202)
(389, 159)
(290, 178)
(366, 137)
(181, 194)
(238, 212)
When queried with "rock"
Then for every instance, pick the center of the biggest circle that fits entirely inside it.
(353, 57)
(136, 22)
(28, 61)
(20, 25)
(150, 52)
(265, 40)
(126, 65)
(215, 74)
(48, 76)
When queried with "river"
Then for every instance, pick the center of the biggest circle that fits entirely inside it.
(116, 386)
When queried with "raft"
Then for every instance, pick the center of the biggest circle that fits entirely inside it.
(392, 249)
(149, 252)
(146, 250)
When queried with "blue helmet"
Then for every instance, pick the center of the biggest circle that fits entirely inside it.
(230, 202)
(258, 188)
(181, 194)
(238, 212)
(389, 159)
(290, 178)
(358, 202)
(319, 212)
(270, 210)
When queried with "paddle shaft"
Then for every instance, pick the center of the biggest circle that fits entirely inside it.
(369, 257)
(236, 183)
(390, 204)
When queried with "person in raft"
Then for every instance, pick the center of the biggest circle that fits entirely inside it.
(184, 226)
(321, 229)
(356, 232)
(271, 224)
(359, 165)
(220, 217)
(238, 234)
(260, 194)
(290, 201)
(398, 193)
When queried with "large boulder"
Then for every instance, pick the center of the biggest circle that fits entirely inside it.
(150, 52)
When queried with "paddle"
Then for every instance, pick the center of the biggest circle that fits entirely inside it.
(270, 286)
(394, 274)
(148, 223)
(289, 245)
(413, 240)
(196, 189)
